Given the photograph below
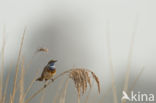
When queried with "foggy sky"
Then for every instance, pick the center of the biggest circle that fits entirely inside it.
(75, 32)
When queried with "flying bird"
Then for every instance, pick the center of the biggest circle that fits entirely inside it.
(48, 72)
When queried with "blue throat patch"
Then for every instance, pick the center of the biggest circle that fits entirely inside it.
(52, 66)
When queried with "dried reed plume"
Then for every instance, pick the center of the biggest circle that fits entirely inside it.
(81, 78)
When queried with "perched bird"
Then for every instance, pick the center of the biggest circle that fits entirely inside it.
(48, 71)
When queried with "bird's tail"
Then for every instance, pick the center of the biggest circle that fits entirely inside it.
(39, 79)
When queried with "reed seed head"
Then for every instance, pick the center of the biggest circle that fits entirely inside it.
(42, 50)
(82, 79)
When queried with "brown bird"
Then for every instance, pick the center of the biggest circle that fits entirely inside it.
(48, 72)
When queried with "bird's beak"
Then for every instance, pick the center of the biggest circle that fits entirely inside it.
(56, 60)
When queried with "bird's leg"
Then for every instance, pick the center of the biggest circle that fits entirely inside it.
(52, 79)
(45, 86)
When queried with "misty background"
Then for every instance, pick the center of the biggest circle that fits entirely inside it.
(75, 33)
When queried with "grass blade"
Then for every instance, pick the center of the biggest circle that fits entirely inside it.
(111, 65)
(17, 66)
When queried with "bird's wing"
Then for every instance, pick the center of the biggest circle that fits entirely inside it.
(44, 70)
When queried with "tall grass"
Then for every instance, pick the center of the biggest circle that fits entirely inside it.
(81, 77)
(111, 64)
(17, 68)
(127, 74)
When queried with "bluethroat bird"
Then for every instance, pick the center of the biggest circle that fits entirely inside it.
(48, 72)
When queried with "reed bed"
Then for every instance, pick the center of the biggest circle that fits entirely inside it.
(79, 76)
(82, 79)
